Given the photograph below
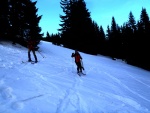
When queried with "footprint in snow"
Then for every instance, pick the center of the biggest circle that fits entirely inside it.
(6, 92)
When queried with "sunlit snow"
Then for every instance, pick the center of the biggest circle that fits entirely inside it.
(53, 86)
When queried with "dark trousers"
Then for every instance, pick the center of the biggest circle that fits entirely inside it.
(29, 55)
(79, 66)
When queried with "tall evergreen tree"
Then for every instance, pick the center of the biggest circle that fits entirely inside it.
(23, 20)
(65, 22)
(107, 44)
(47, 35)
(114, 39)
(96, 38)
(132, 22)
(131, 38)
(108, 32)
(32, 20)
(4, 23)
(144, 20)
(144, 42)
(85, 28)
(14, 19)
(102, 41)
(77, 26)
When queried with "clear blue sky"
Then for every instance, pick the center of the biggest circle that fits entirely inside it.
(101, 12)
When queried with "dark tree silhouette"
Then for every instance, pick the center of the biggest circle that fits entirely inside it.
(4, 23)
(77, 27)
(21, 20)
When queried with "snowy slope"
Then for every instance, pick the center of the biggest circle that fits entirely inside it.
(52, 85)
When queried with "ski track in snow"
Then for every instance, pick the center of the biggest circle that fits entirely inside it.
(125, 100)
(20, 104)
(7, 97)
(138, 80)
(70, 97)
(6, 92)
(9, 51)
(128, 100)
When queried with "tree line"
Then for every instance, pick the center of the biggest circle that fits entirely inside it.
(19, 20)
(129, 42)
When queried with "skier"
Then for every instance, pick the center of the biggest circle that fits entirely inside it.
(31, 47)
(78, 59)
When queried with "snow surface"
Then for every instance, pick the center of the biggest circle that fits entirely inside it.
(52, 85)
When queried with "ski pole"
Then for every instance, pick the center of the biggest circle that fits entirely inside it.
(72, 65)
(83, 66)
(41, 54)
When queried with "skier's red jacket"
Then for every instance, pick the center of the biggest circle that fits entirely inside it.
(31, 44)
(77, 56)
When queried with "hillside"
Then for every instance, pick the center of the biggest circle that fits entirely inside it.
(52, 85)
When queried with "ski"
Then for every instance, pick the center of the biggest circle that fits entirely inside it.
(32, 62)
(24, 62)
(81, 73)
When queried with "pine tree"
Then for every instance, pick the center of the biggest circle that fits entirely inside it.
(84, 28)
(14, 19)
(102, 41)
(77, 26)
(65, 23)
(47, 35)
(32, 20)
(130, 39)
(4, 23)
(144, 42)
(113, 39)
(23, 21)
(132, 22)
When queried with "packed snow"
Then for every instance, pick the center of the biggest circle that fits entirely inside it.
(53, 86)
